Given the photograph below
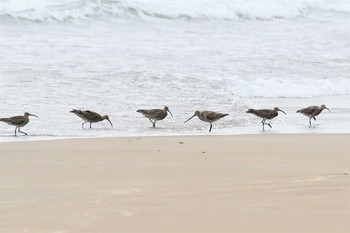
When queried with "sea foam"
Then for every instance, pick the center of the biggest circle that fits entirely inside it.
(67, 10)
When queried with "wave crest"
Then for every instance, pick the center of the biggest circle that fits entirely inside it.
(66, 10)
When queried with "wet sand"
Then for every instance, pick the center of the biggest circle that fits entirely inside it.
(253, 183)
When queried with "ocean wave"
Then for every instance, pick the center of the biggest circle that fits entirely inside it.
(70, 10)
(290, 88)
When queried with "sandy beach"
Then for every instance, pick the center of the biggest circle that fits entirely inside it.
(253, 183)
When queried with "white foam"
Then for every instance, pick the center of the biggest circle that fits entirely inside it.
(301, 87)
(115, 67)
(46, 10)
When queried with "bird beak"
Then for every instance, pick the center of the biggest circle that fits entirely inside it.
(283, 112)
(33, 115)
(110, 122)
(328, 110)
(190, 118)
(170, 113)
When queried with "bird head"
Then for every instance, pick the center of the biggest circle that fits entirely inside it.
(106, 117)
(277, 109)
(28, 114)
(167, 109)
(324, 107)
(196, 113)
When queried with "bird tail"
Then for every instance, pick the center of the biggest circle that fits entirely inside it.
(4, 119)
(251, 111)
(75, 111)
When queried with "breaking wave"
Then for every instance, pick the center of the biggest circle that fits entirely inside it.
(70, 10)
(290, 88)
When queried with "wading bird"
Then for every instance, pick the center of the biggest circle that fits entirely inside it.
(312, 111)
(90, 116)
(155, 115)
(18, 121)
(208, 116)
(265, 114)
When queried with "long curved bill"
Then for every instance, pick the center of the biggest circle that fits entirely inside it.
(110, 122)
(190, 118)
(170, 112)
(328, 110)
(33, 115)
(283, 112)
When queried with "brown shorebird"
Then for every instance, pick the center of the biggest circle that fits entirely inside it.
(155, 114)
(312, 111)
(208, 116)
(18, 121)
(265, 114)
(90, 116)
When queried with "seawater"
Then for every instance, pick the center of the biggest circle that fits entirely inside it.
(114, 57)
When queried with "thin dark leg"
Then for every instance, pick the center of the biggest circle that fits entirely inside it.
(16, 131)
(82, 125)
(310, 121)
(90, 125)
(19, 130)
(263, 124)
(153, 123)
(210, 127)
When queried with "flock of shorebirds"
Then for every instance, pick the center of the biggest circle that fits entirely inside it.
(155, 115)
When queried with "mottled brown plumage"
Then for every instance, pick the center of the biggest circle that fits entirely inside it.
(208, 116)
(155, 115)
(90, 116)
(265, 114)
(312, 111)
(18, 121)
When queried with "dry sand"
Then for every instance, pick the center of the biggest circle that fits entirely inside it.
(255, 183)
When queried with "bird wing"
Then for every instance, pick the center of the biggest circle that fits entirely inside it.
(16, 120)
(264, 112)
(213, 115)
(308, 110)
(151, 113)
(91, 115)
(86, 115)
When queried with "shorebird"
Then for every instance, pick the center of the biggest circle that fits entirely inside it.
(312, 111)
(90, 116)
(265, 114)
(155, 114)
(18, 121)
(208, 116)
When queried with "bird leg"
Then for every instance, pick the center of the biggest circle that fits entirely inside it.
(310, 119)
(210, 127)
(153, 123)
(82, 125)
(16, 130)
(19, 130)
(263, 123)
(90, 125)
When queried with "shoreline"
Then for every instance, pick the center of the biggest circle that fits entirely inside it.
(240, 183)
(33, 138)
